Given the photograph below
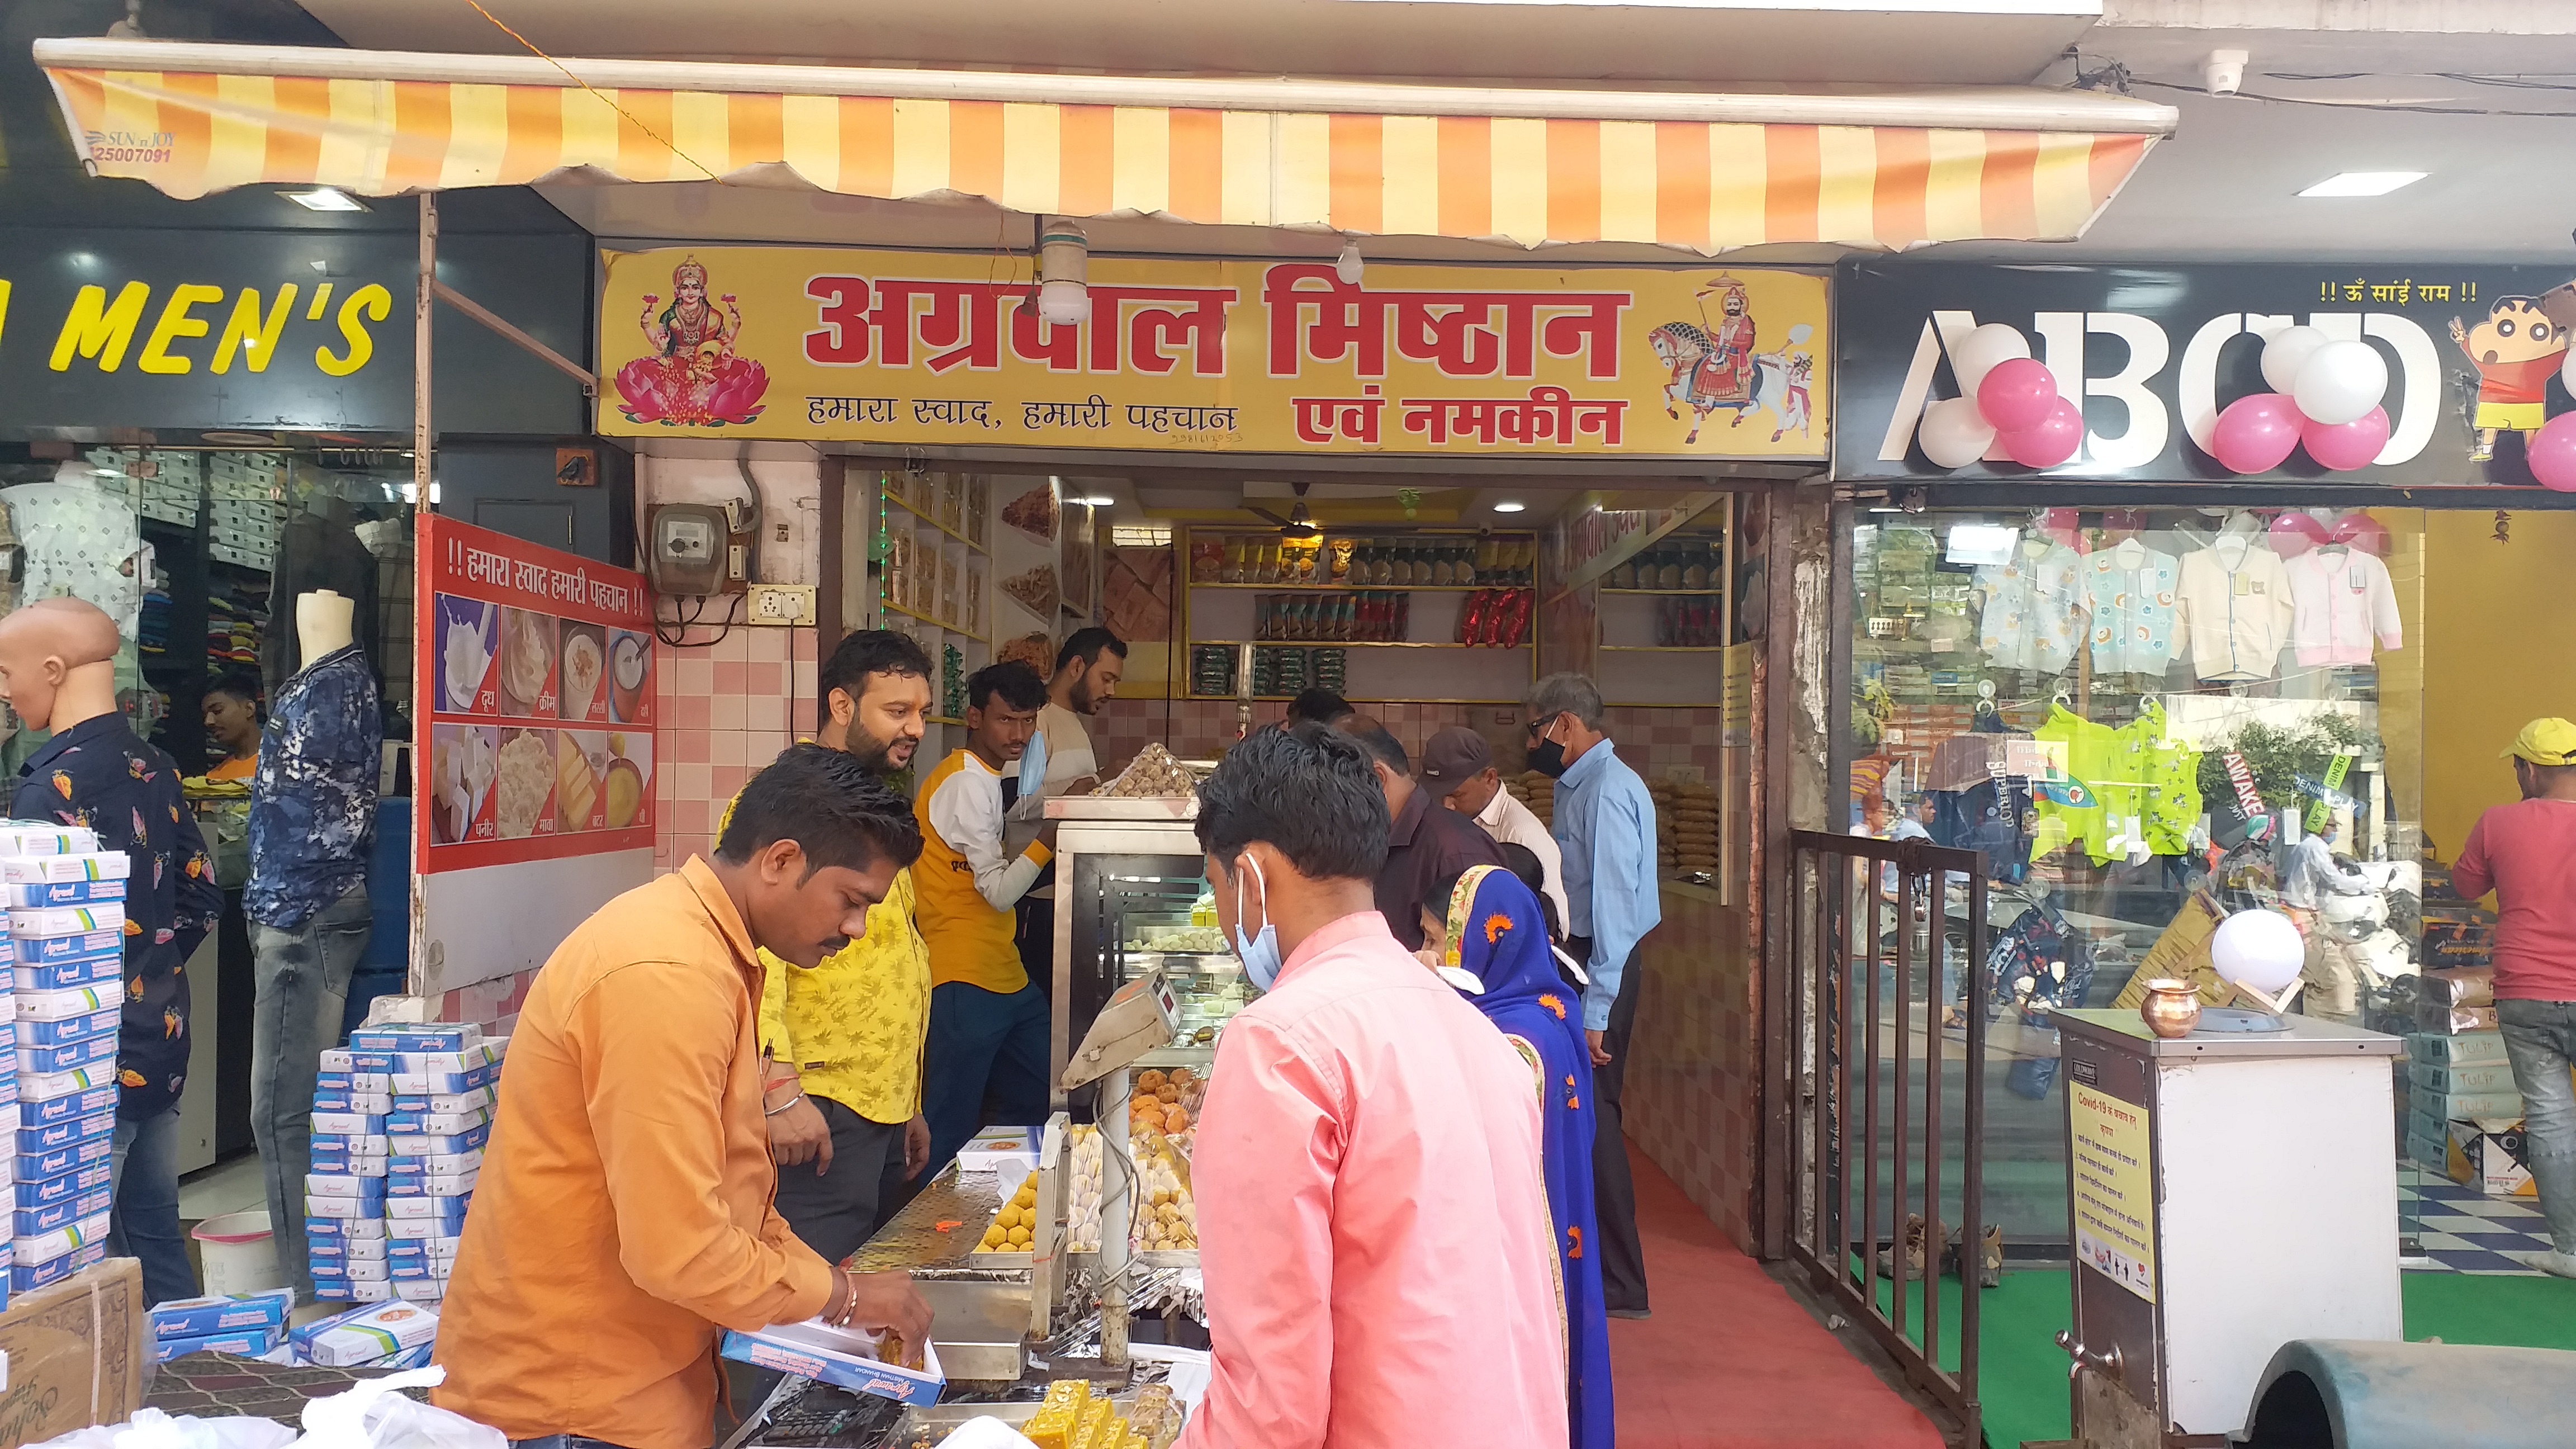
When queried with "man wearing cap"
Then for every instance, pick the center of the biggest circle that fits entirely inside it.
(2526, 853)
(1458, 768)
(1424, 843)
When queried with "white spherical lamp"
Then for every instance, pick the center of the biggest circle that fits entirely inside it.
(2260, 949)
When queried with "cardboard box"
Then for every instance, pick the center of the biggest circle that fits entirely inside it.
(29, 867)
(429, 1184)
(27, 1279)
(249, 1343)
(363, 1146)
(442, 1037)
(837, 1357)
(232, 1313)
(36, 841)
(363, 1335)
(434, 1144)
(2488, 1160)
(108, 965)
(76, 1354)
(478, 1099)
(69, 1056)
(374, 1227)
(45, 1137)
(86, 1102)
(67, 1004)
(64, 1160)
(414, 1124)
(78, 1084)
(65, 1030)
(37, 1192)
(22, 894)
(31, 1221)
(347, 1124)
(46, 923)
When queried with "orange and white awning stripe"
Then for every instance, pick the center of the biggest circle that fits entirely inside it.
(220, 117)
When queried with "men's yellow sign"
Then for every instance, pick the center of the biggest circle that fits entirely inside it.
(1222, 356)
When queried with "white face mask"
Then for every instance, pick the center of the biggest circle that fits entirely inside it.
(1259, 953)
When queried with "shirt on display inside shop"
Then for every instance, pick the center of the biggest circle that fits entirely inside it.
(2033, 615)
(2129, 589)
(98, 774)
(2235, 610)
(313, 802)
(2345, 600)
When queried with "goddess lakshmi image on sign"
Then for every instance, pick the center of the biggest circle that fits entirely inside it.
(693, 377)
(1713, 366)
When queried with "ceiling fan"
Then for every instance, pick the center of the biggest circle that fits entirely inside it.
(1298, 524)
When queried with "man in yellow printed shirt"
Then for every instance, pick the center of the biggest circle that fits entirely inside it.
(841, 1043)
(987, 1058)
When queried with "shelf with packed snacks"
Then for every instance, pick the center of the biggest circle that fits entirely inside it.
(1671, 600)
(934, 577)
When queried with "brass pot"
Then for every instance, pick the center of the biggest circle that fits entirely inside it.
(2172, 1008)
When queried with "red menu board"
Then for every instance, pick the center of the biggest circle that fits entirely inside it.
(539, 672)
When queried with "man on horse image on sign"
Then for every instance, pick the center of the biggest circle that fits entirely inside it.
(1712, 364)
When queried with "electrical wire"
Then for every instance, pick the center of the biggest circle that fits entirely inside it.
(594, 90)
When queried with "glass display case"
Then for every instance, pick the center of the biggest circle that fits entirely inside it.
(1133, 898)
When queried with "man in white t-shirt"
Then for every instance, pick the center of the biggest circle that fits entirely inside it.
(1458, 765)
(1086, 676)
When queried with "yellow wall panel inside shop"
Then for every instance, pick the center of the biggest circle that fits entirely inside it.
(2401, 671)
(2496, 655)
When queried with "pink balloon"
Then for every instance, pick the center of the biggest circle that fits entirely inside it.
(2051, 441)
(2346, 445)
(2552, 453)
(2256, 433)
(2295, 533)
(2016, 394)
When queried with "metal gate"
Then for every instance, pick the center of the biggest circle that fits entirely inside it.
(1889, 1114)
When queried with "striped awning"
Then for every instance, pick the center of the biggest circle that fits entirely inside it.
(1706, 172)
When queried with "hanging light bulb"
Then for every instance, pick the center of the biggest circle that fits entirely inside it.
(1064, 297)
(1348, 266)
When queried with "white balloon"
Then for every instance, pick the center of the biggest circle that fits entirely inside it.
(2261, 949)
(1954, 434)
(2287, 352)
(1979, 351)
(2340, 381)
(2567, 370)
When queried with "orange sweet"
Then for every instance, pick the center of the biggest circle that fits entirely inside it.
(1176, 1120)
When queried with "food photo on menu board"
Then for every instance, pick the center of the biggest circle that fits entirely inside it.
(523, 787)
(601, 778)
(468, 631)
(582, 673)
(462, 761)
(630, 677)
(527, 663)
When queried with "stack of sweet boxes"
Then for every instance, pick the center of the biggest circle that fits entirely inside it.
(399, 1120)
(66, 906)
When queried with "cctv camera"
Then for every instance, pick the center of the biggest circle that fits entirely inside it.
(2224, 72)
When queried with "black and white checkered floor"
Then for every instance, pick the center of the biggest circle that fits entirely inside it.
(2465, 1231)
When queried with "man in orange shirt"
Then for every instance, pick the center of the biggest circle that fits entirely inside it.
(624, 1214)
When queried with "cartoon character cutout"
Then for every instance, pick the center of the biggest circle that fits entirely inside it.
(2515, 350)
(693, 378)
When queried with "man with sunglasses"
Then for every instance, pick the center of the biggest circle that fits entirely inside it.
(1605, 825)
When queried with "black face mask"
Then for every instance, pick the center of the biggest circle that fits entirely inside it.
(1547, 757)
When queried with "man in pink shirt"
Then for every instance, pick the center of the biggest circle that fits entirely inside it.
(2526, 853)
(1373, 1226)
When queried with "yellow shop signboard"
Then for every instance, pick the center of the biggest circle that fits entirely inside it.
(924, 348)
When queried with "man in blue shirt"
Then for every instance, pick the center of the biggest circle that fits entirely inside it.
(1605, 823)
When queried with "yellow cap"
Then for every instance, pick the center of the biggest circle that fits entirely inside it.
(2549, 741)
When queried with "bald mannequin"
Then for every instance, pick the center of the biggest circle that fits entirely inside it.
(58, 662)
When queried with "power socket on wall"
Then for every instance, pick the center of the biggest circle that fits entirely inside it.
(780, 604)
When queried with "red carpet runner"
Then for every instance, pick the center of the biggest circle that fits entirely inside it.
(1729, 1361)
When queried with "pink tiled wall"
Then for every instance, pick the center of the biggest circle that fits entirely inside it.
(1652, 740)
(725, 708)
(1695, 1061)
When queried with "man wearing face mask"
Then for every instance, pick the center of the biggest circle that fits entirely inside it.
(1374, 1229)
(623, 1217)
(1605, 826)
(841, 1041)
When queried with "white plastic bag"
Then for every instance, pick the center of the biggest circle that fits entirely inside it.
(153, 1429)
(373, 1416)
(986, 1434)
